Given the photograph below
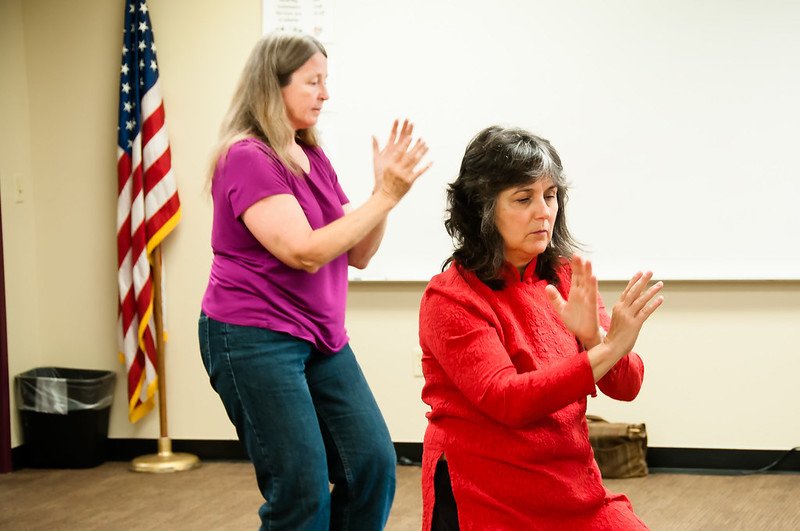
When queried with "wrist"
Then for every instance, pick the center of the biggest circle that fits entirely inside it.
(385, 198)
(392, 195)
(597, 339)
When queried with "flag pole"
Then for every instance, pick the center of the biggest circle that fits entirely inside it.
(165, 460)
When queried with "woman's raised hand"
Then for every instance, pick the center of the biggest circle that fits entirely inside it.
(635, 305)
(579, 311)
(397, 164)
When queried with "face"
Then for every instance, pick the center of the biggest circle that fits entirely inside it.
(306, 91)
(525, 216)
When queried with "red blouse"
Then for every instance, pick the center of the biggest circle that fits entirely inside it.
(507, 384)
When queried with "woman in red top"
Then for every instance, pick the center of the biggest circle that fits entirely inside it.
(514, 338)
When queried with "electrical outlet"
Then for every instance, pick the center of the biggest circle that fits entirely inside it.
(416, 359)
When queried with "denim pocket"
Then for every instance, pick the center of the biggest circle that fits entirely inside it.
(205, 346)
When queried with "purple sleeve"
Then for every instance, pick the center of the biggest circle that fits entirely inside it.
(251, 174)
(342, 196)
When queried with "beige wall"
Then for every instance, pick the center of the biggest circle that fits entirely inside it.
(22, 280)
(720, 362)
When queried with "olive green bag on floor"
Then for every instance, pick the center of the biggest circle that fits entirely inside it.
(620, 449)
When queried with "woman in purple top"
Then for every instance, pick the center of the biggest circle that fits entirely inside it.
(271, 330)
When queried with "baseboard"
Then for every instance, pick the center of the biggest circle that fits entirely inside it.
(410, 453)
(722, 459)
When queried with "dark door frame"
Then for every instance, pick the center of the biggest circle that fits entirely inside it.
(5, 397)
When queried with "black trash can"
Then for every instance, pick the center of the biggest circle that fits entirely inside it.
(64, 414)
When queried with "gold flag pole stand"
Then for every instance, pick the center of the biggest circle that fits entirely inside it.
(165, 460)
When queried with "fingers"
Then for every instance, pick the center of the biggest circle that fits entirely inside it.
(641, 300)
(401, 155)
(422, 170)
(582, 274)
(393, 134)
(652, 306)
(645, 303)
(631, 283)
(408, 128)
(555, 297)
(636, 285)
(418, 151)
(405, 131)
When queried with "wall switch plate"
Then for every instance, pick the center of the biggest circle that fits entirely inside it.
(417, 363)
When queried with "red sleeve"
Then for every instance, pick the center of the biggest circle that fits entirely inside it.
(464, 341)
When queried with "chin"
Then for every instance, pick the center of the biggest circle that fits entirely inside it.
(537, 251)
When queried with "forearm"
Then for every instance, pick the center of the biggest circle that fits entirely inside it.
(363, 251)
(326, 243)
(602, 358)
(518, 400)
(617, 373)
(624, 380)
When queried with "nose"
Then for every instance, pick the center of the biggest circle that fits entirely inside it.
(323, 93)
(541, 210)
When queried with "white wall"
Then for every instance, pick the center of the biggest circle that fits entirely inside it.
(720, 361)
(691, 106)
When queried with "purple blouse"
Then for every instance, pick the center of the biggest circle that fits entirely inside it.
(248, 285)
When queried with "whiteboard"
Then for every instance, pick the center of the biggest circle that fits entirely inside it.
(677, 122)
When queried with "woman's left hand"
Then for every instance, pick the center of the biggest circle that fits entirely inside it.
(579, 311)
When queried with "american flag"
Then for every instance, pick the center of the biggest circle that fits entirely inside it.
(147, 207)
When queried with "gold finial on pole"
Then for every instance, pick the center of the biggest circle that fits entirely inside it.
(165, 460)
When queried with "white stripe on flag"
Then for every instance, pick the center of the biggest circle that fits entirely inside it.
(124, 274)
(159, 195)
(151, 100)
(141, 272)
(155, 148)
(137, 212)
(124, 204)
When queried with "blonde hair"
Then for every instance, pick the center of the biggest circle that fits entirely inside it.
(257, 109)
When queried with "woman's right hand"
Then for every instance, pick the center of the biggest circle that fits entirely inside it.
(635, 306)
(397, 163)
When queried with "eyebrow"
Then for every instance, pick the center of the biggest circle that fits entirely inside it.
(529, 188)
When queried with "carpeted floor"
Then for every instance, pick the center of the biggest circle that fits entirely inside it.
(223, 495)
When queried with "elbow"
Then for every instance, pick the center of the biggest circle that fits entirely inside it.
(359, 262)
(308, 267)
(501, 408)
(629, 394)
(623, 393)
(515, 421)
(309, 257)
(309, 262)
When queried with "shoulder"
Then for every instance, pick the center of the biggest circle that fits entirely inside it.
(454, 287)
(250, 151)
(248, 162)
(317, 153)
(453, 306)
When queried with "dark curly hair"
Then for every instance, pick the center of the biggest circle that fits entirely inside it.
(496, 159)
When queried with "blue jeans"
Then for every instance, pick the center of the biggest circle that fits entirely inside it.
(307, 420)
